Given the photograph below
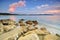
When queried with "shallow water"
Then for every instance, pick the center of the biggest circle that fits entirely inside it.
(53, 21)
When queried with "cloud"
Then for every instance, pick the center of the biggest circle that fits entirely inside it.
(42, 6)
(21, 3)
(13, 6)
(46, 9)
(52, 11)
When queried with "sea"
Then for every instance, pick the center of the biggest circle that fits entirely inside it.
(51, 22)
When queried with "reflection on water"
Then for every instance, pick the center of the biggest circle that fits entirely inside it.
(44, 19)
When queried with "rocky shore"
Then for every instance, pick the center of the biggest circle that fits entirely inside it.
(24, 30)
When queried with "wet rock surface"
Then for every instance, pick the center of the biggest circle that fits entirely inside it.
(10, 30)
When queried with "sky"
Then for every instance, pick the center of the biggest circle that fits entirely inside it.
(30, 6)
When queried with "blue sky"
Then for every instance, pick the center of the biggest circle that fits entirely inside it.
(30, 5)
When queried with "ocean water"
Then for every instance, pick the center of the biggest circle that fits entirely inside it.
(52, 23)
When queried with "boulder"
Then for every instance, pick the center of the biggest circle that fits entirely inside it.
(29, 37)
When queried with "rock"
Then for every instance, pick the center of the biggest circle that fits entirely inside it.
(51, 37)
(1, 30)
(29, 37)
(7, 24)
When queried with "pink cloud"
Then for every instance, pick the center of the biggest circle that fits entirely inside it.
(21, 3)
(47, 9)
(52, 11)
(13, 6)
